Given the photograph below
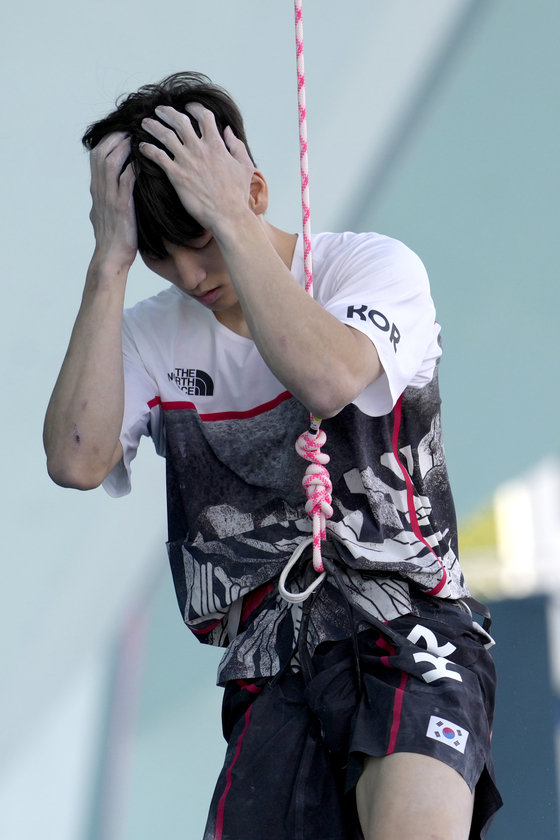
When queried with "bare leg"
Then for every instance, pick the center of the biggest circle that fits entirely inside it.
(405, 796)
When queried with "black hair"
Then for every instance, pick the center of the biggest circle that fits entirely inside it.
(159, 212)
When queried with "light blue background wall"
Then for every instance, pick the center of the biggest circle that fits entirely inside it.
(476, 195)
(179, 749)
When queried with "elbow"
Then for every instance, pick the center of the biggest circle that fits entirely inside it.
(74, 479)
(330, 394)
(324, 410)
(329, 402)
(328, 398)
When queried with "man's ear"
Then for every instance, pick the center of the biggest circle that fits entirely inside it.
(258, 198)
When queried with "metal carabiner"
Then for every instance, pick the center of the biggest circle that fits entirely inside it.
(298, 597)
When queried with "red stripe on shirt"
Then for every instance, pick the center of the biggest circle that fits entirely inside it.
(250, 687)
(204, 630)
(222, 415)
(253, 600)
(410, 497)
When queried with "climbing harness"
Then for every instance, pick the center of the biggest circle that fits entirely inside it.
(316, 481)
(334, 566)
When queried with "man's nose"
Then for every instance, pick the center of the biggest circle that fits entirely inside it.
(191, 272)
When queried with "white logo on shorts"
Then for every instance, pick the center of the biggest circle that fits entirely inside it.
(435, 655)
(420, 632)
(447, 733)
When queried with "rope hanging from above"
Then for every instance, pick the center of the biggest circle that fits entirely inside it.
(316, 481)
(304, 166)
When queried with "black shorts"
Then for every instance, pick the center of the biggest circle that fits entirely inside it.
(295, 750)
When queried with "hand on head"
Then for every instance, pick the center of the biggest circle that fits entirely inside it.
(211, 175)
(112, 213)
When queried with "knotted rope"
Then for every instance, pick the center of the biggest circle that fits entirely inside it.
(318, 486)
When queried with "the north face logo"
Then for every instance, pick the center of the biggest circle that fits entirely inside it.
(195, 383)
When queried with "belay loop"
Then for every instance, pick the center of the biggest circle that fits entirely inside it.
(317, 485)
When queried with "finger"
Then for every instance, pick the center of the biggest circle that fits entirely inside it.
(109, 144)
(236, 147)
(179, 122)
(114, 163)
(231, 141)
(106, 167)
(117, 157)
(120, 148)
(205, 118)
(157, 155)
(165, 135)
(128, 177)
(110, 157)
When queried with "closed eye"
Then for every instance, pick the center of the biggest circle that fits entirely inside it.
(203, 247)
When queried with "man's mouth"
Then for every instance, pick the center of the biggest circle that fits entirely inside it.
(208, 298)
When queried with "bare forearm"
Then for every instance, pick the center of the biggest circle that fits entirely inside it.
(321, 361)
(84, 416)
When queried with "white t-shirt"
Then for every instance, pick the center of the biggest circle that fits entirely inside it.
(371, 282)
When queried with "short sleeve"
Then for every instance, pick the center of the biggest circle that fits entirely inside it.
(142, 415)
(381, 288)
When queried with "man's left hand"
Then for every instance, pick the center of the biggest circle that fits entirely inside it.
(212, 176)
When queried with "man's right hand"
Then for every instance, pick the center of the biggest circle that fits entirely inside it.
(85, 413)
(112, 213)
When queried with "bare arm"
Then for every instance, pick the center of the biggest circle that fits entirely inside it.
(324, 363)
(84, 417)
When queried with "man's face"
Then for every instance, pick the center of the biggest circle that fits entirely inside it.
(199, 270)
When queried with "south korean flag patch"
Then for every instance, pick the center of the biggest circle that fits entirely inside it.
(447, 733)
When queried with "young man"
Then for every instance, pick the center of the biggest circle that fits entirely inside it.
(367, 711)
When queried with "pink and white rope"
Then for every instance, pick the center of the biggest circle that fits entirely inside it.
(316, 481)
(317, 484)
(304, 165)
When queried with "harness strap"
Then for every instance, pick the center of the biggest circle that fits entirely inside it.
(480, 609)
(234, 618)
(306, 662)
